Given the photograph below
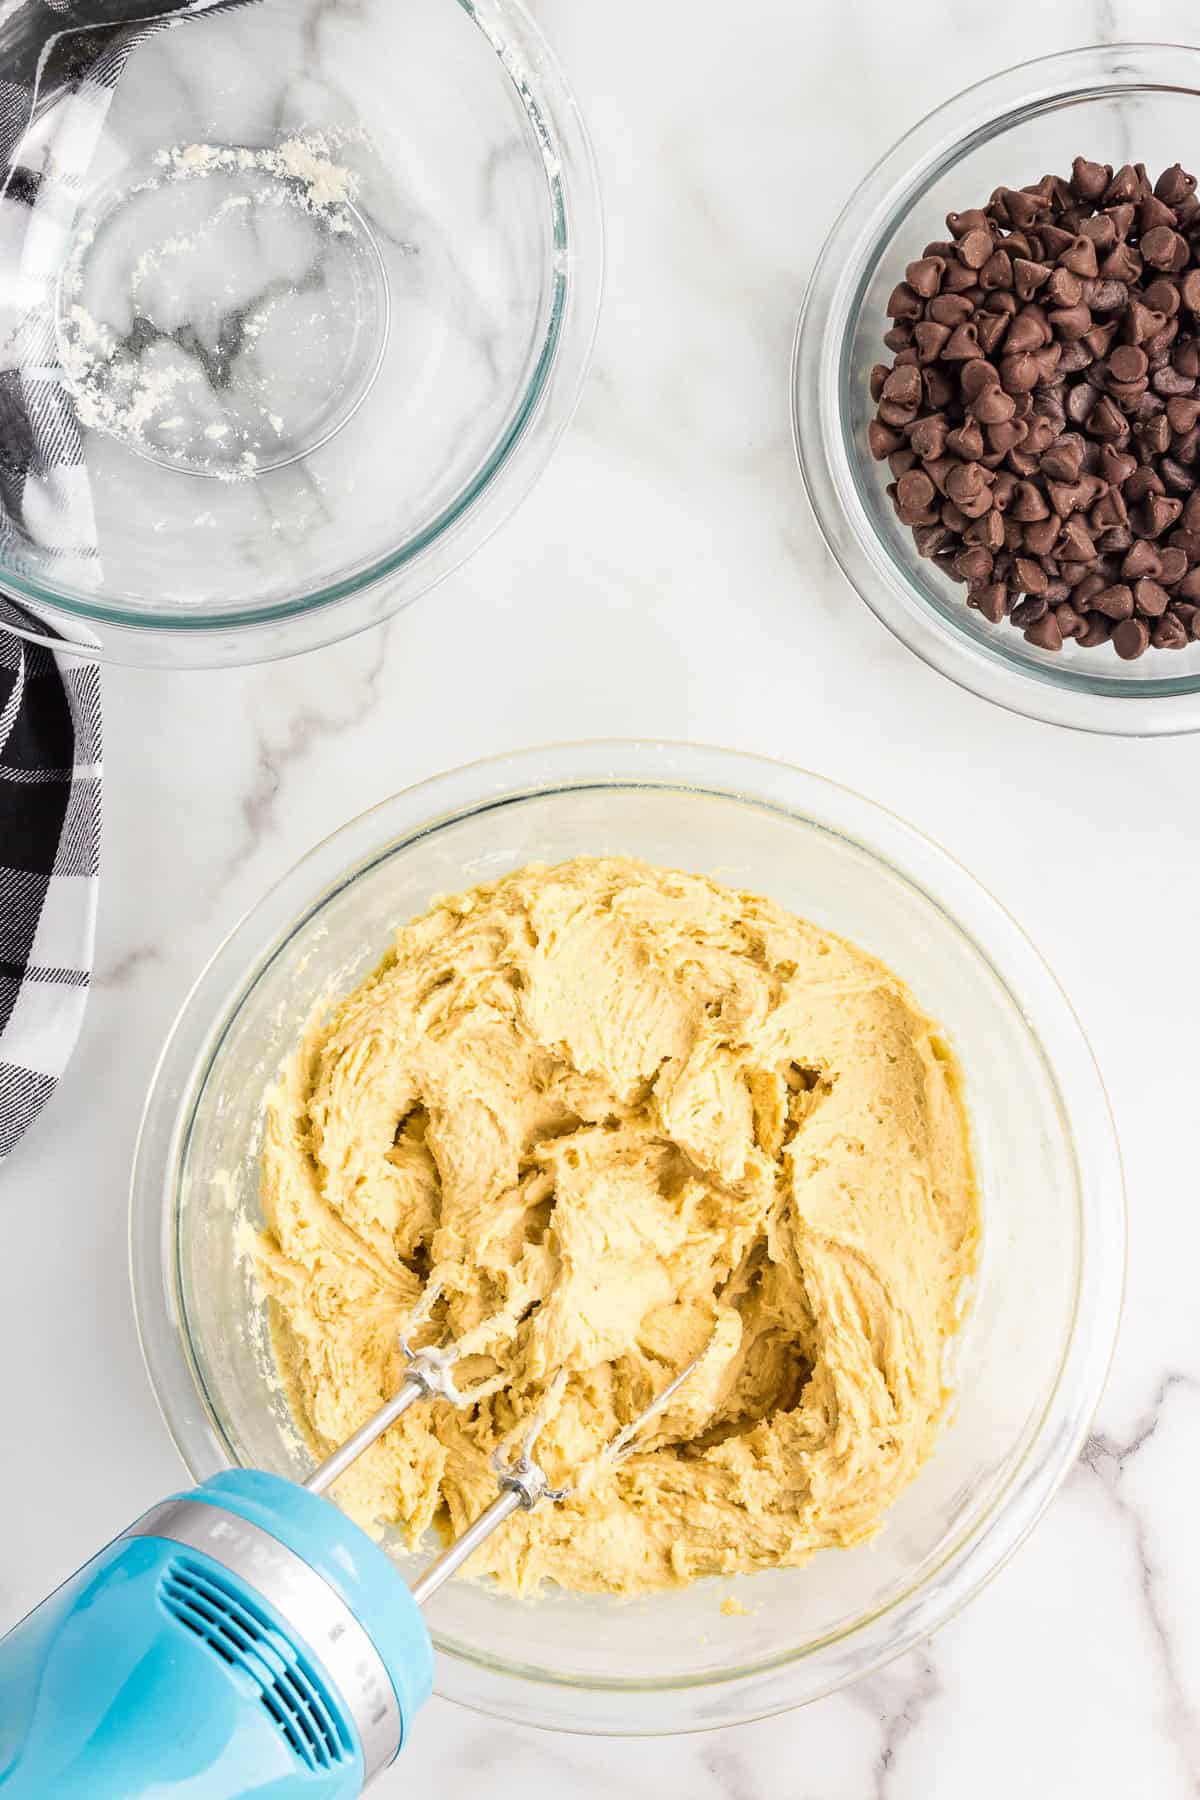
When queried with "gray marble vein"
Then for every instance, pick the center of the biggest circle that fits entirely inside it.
(1110, 1460)
(308, 729)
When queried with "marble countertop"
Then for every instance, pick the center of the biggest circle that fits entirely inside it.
(666, 579)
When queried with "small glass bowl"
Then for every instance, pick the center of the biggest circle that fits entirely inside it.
(1112, 103)
(1029, 1364)
(321, 302)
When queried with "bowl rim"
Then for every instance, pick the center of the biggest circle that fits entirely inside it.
(1053, 693)
(511, 1690)
(570, 307)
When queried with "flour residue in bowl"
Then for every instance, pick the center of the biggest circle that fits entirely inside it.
(159, 344)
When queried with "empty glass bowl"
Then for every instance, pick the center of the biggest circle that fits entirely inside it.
(1029, 1364)
(1112, 103)
(315, 304)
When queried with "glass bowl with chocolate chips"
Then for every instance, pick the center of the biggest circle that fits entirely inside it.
(996, 389)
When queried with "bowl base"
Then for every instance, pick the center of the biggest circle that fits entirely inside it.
(224, 311)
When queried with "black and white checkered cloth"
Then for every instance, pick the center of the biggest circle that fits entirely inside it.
(60, 61)
(49, 861)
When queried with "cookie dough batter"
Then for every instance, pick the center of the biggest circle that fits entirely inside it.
(609, 1111)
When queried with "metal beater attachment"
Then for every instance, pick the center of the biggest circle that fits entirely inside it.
(429, 1377)
(523, 1482)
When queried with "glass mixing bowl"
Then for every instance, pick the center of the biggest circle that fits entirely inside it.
(316, 302)
(1030, 1361)
(1112, 103)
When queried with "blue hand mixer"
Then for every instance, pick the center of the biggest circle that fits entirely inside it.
(244, 1638)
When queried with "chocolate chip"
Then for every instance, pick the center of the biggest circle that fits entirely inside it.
(949, 309)
(1128, 362)
(1123, 186)
(1104, 420)
(929, 539)
(1142, 559)
(1079, 257)
(1020, 373)
(925, 275)
(1070, 622)
(1067, 496)
(1169, 634)
(1179, 479)
(1130, 638)
(915, 491)
(987, 532)
(1108, 296)
(1150, 598)
(1109, 510)
(1114, 602)
(1168, 382)
(997, 271)
(1175, 185)
(1162, 295)
(966, 440)
(1006, 435)
(1028, 503)
(1172, 565)
(1096, 631)
(930, 339)
(1154, 211)
(1064, 460)
(1182, 413)
(904, 302)
(991, 600)
(992, 405)
(1070, 322)
(1081, 402)
(1105, 228)
(1089, 180)
(1028, 276)
(1160, 247)
(991, 329)
(1045, 632)
(1030, 575)
(1040, 536)
(1188, 542)
(927, 436)
(976, 564)
(1075, 543)
(903, 386)
(1026, 332)
(975, 246)
(963, 343)
(1156, 514)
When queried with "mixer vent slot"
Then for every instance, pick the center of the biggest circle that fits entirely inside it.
(305, 1713)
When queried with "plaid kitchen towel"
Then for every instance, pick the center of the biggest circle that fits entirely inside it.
(49, 859)
(60, 61)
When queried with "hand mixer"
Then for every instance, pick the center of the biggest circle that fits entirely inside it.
(244, 1638)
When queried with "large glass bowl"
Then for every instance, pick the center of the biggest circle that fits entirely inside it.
(1033, 1354)
(315, 302)
(1112, 103)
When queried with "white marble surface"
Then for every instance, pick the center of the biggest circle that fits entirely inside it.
(666, 578)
